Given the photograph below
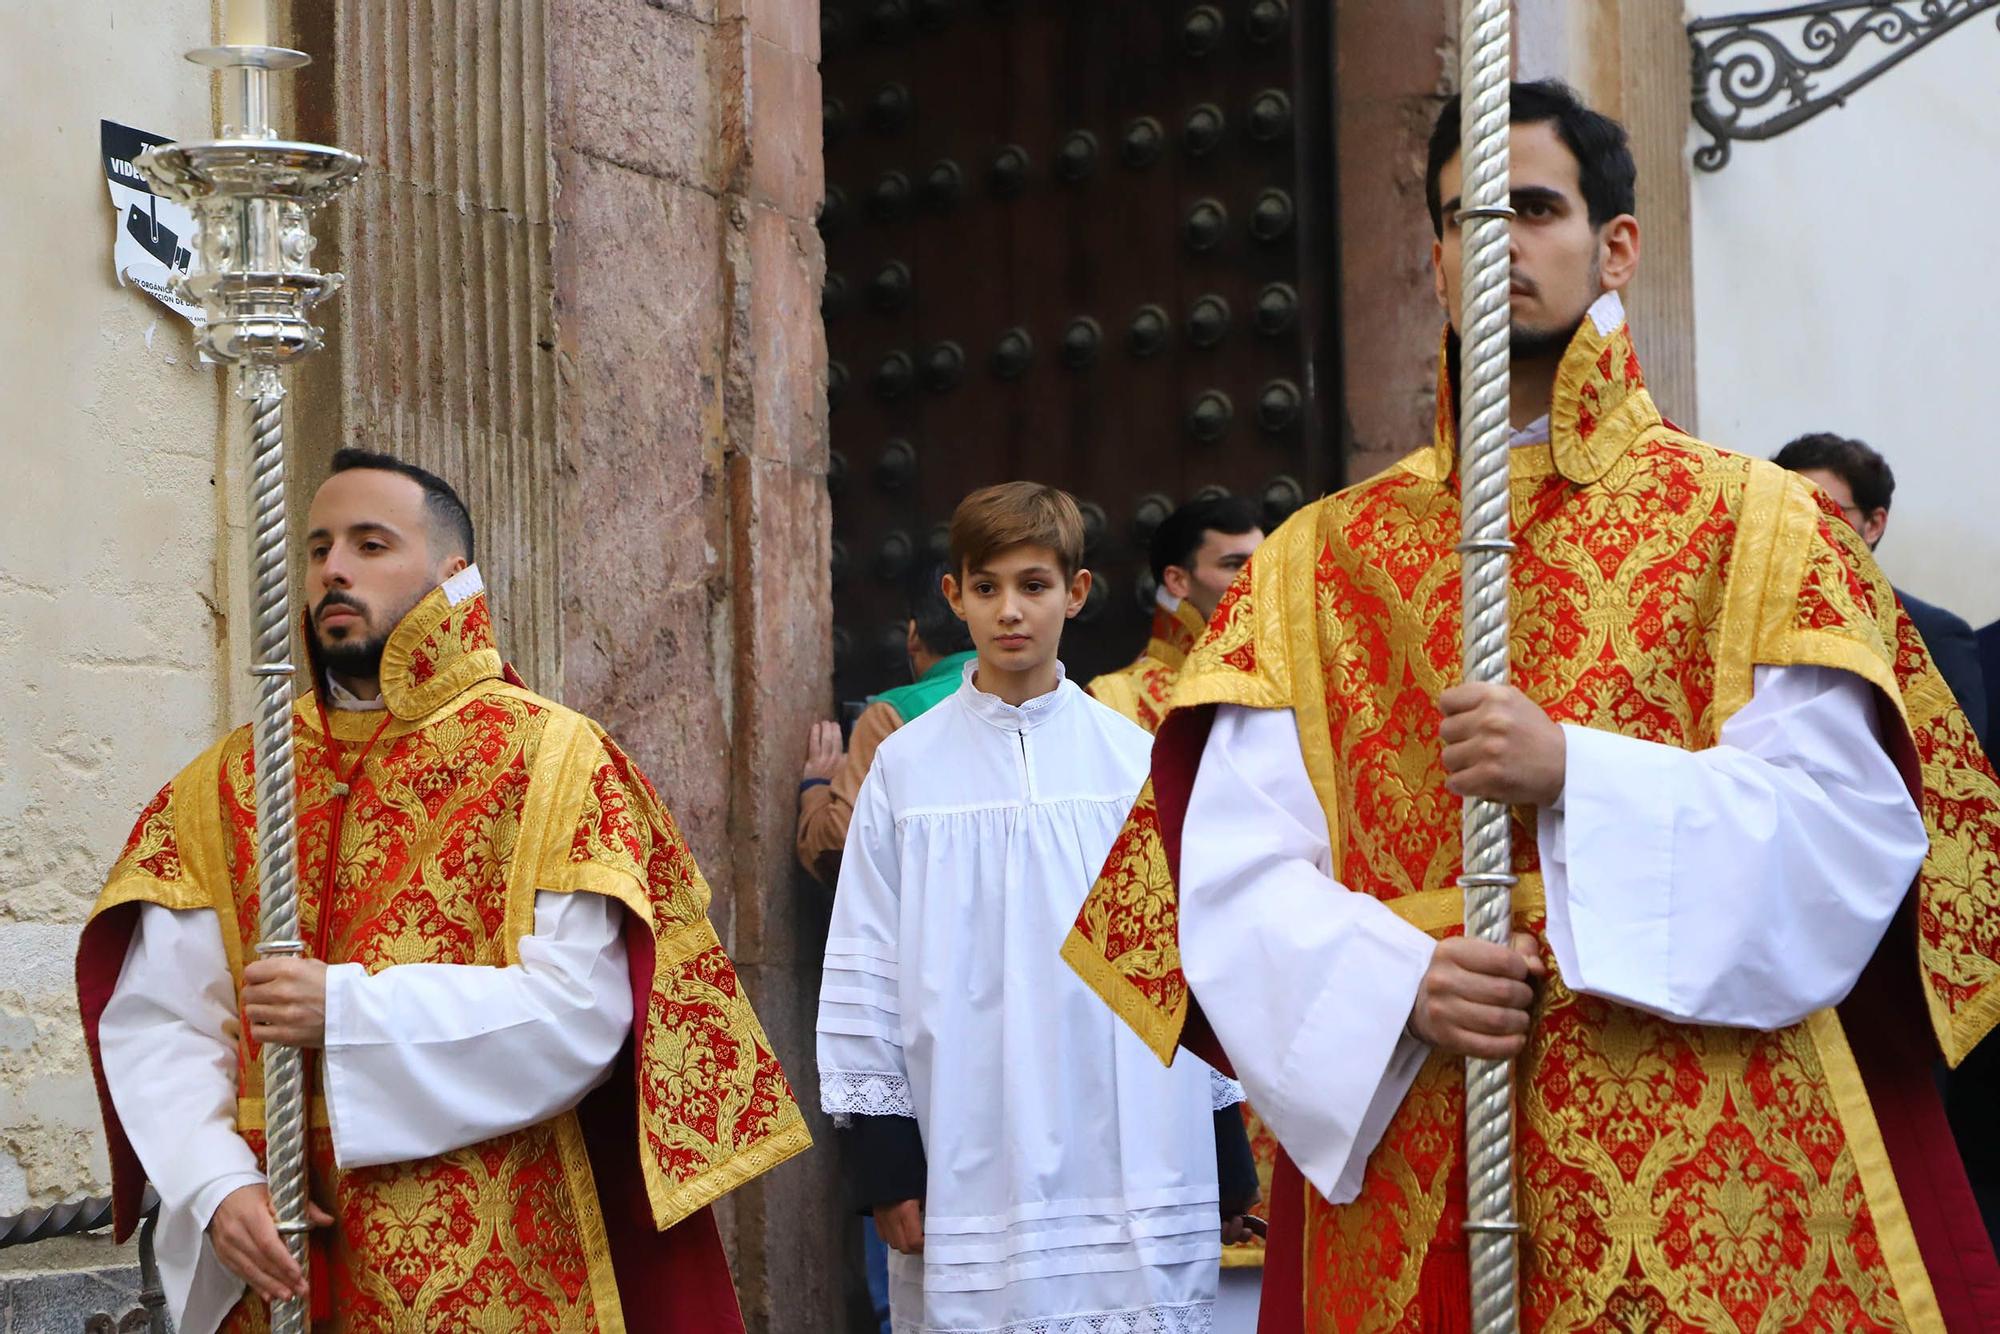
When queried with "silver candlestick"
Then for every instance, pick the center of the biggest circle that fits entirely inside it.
(253, 196)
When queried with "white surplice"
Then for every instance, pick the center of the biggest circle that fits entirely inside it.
(419, 1059)
(1071, 1177)
(1744, 885)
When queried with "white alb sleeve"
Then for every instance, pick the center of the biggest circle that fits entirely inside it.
(168, 1040)
(1746, 884)
(1307, 984)
(425, 1058)
(862, 1070)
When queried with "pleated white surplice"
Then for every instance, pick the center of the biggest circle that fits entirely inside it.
(1071, 1182)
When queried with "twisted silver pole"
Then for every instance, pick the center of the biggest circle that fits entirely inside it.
(263, 388)
(1484, 50)
(253, 194)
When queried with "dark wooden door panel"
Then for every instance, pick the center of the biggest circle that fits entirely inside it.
(1088, 243)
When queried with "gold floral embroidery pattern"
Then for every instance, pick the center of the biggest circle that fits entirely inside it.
(1674, 1177)
(430, 868)
(715, 1109)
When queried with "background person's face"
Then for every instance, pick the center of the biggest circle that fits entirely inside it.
(1216, 561)
(1559, 263)
(1869, 523)
(368, 562)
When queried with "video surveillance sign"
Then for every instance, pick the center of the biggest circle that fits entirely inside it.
(154, 234)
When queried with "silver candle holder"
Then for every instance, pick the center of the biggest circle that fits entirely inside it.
(253, 196)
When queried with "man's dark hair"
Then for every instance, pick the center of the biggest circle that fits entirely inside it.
(449, 518)
(938, 625)
(1181, 533)
(1866, 472)
(1605, 170)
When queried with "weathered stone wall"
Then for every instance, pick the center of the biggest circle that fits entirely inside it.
(1396, 64)
(110, 601)
(586, 289)
(694, 511)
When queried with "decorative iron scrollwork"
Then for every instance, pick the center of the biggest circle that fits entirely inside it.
(1757, 75)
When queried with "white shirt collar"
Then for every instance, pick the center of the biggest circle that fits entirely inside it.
(1010, 717)
(1535, 432)
(341, 697)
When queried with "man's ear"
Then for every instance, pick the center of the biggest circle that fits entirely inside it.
(953, 594)
(456, 565)
(1177, 580)
(1874, 523)
(1618, 252)
(1079, 592)
(1437, 277)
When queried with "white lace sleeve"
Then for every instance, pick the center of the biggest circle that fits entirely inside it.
(1223, 1091)
(845, 1093)
(860, 1027)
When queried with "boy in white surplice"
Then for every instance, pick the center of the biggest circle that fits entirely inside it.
(1028, 1161)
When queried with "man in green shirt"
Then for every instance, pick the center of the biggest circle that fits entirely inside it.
(939, 648)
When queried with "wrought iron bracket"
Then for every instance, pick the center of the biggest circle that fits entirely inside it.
(1757, 75)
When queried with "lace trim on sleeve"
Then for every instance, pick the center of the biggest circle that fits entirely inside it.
(864, 1093)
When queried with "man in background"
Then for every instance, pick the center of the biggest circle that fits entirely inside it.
(1196, 553)
(1858, 480)
(939, 648)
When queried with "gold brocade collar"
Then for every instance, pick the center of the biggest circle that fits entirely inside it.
(438, 651)
(1599, 408)
(1175, 630)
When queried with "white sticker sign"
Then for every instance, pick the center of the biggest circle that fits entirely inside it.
(153, 235)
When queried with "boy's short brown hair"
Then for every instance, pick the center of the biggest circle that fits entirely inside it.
(994, 519)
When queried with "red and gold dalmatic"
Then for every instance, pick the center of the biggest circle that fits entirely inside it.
(1140, 689)
(477, 795)
(1671, 1177)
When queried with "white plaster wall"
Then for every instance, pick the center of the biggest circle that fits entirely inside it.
(1847, 279)
(108, 634)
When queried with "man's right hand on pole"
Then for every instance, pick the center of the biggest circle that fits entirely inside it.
(244, 1233)
(1475, 996)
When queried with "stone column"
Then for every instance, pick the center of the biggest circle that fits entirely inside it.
(446, 341)
(694, 518)
(1395, 66)
(586, 289)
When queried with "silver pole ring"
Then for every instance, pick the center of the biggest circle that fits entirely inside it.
(1492, 211)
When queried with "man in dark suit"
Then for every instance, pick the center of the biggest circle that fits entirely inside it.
(1858, 480)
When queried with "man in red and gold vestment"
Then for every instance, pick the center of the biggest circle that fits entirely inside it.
(1757, 857)
(1196, 554)
(535, 1066)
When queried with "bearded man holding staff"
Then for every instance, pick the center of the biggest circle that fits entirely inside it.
(1742, 791)
(536, 1066)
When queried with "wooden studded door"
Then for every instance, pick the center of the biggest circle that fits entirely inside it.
(1088, 242)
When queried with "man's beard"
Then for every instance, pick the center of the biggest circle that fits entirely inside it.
(1526, 344)
(354, 659)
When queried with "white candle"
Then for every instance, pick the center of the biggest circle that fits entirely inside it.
(246, 23)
